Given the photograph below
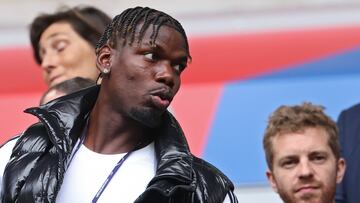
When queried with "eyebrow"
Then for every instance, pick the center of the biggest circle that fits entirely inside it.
(56, 34)
(53, 36)
(313, 153)
(158, 47)
(318, 153)
(147, 44)
(288, 157)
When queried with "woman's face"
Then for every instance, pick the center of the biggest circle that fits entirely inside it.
(65, 55)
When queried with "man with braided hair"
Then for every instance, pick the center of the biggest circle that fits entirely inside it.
(117, 142)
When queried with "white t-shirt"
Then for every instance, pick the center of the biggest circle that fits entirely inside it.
(88, 170)
(5, 153)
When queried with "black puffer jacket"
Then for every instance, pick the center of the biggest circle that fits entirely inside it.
(36, 169)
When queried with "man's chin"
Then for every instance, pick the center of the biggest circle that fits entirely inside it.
(308, 198)
(303, 198)
(148, 117)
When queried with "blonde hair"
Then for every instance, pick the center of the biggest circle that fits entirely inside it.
(292, 119)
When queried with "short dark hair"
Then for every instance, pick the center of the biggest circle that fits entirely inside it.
(123, 26)
(69, 86)
(89, 22)
(292, 119)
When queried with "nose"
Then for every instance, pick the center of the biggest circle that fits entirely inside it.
(48, 62)
(305, 170)
(166, 74)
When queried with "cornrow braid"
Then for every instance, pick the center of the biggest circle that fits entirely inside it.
(123, 27)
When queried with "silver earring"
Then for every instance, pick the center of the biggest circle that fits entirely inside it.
(106, 71)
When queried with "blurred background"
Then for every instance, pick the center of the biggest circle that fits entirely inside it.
(249, 57)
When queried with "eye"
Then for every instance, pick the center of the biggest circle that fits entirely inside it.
(151, 56)
(60, 46)
(288, 164)
(319, 159)
(179, 67)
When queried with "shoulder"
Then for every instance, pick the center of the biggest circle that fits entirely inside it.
(35, 129)
(23, 161)
(352, 112)
(211, 180)
(348, 124)
(33, 134)
(34, 138)
(206, 168)
(349, 118)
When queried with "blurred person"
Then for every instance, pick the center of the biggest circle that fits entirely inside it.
(64, 42)
(303, 154)
(116, 142)
(56, 91)
(349, 135)
(65, 87)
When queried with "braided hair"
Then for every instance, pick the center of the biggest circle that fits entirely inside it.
(123, 26)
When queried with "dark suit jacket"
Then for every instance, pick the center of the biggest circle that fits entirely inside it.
(349, 131)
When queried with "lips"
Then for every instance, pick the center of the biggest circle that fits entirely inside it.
(161, 98)
(307, 188)
(54, 80)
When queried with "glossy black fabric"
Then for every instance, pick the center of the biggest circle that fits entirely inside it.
(36, 169)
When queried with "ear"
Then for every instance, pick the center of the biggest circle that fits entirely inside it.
(341, 167)
(271, 179)
(103, 59)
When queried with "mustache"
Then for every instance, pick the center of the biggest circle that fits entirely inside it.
(307, 184)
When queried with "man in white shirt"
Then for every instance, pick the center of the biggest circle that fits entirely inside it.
(117, 142)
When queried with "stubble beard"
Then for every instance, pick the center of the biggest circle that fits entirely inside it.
(327, 196)
(147, 116)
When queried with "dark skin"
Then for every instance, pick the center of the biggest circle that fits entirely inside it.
(142, 82)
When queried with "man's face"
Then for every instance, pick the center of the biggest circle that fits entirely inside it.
(304, 167)
(144, 78)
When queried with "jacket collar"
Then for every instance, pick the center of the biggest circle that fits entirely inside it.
(173, 154)
(65, 118)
